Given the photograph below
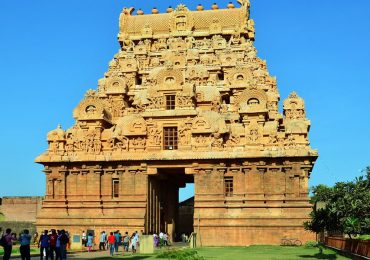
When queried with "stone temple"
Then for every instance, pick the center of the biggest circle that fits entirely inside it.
(185, 100)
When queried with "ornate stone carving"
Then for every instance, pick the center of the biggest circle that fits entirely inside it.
(92, 108)
(182, 21)
(294, 107)
(138, 144)
(185, 132)
(154, 135)
(185, 91)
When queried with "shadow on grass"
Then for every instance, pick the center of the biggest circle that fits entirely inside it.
(139, 257)
(320, 256)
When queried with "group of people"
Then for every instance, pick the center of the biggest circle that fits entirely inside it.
(163, 239)
(113, 241)
(52, 244)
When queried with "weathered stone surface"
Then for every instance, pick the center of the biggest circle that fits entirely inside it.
(186, 99)
(22, 209)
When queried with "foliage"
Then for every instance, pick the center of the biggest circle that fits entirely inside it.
(321, 192)
(347, 207)
(314, 244)
(180, 255)
(364, 237)
(310, 244)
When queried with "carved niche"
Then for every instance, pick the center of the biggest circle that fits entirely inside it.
(251, 100)
(92, 108)
(185, 132)
(182, 21)
(116, 105)
(218, 42)
(137, 127)
(56, 140)
(201, 125)
(147, 31)
(128, 65)
(254, 133)
(170, 79)
(239, 77)
(154, 134)
(140, 48)
(228, 59)
(115, 85)
(176, 58)
(293, 107)
(215, 27)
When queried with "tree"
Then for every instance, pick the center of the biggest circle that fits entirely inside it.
(347, 207)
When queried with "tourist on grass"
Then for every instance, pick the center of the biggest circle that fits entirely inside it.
(165, 239)
(111, 242)
(25, 241)
(117, 240)
(44, 243)
(89, 242)
(134, 240)
(53, 237)
(137, 238)
(126, 242)
(9, 238)
(103, 240)
(156, 240)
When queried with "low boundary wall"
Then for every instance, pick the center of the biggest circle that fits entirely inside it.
(355, 246)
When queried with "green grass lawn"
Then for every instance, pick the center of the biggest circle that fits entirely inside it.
(252, 252)
(267, 252)
(15, 250)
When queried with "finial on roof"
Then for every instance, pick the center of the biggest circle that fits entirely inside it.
(293, 95)
(59, 126)
(200, 7)
(169, 9)
(214, 6)
(230, 5)
(140, 12)
(155, 10)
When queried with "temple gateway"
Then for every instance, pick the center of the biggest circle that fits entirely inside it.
(185, 100)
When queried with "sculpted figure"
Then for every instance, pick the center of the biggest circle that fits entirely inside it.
(128, 45)
(190, 41)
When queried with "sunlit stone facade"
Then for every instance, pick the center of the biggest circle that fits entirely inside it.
(185, 100)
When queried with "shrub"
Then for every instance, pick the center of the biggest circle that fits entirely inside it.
(364, 237)
(180, 255)
(311, 244)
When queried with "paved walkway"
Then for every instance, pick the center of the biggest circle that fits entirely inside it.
(81, 255)
(97, 254)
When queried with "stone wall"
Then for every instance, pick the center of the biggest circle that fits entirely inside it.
(17, 226)
(20, 208)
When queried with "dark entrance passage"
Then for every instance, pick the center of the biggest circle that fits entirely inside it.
(163, 208)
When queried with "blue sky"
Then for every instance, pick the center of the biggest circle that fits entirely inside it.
(51, 52)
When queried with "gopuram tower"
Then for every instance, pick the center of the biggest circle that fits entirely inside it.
(185, 100)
